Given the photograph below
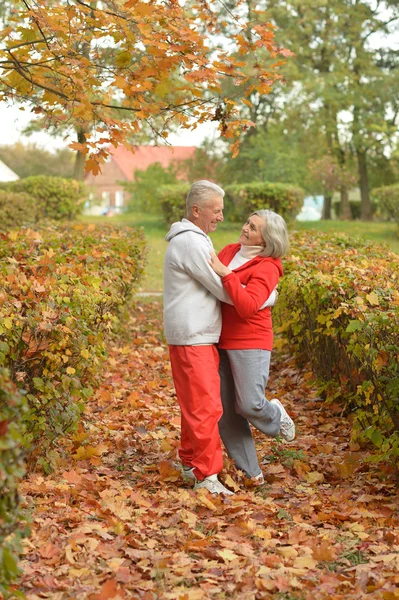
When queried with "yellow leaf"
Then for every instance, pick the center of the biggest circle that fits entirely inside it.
(115, 563)
(314, 477)
(13, 235)
(7, 322)
(69, 555)
(305, 562)
(76, 573)
(263, 534)
(372, 298)
(202, 496)
(84, 452)
(71, 370)
(231, 483)
(117, 507)
(80, 453)
(287, 552)
(324, 552)
(166, 446)
(227, 555)
(188, 517)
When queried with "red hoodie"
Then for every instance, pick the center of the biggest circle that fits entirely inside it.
(244, 326)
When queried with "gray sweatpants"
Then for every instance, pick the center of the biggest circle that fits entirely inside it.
(243, 378)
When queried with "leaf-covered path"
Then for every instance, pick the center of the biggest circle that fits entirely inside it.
(115, 521)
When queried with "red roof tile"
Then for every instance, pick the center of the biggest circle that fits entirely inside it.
(144, 156)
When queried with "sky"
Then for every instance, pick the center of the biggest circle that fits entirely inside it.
(13, 121)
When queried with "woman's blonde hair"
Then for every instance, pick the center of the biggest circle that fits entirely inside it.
(274, 232)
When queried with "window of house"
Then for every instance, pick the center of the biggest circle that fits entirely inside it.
(106, 198)
(119, 200)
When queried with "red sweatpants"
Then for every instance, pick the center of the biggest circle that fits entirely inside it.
(196, 378)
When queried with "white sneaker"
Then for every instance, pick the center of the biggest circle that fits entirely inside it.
(212, 484)
(259, 479)
(256, 481)
(187, 473)
(287, 426)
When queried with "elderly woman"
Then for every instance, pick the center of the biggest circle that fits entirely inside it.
(250, 271)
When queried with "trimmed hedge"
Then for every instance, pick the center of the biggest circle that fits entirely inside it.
(52, 198)
(355, 208)
(16, 209)
(173, 201)
(339, 307)
(240, 201)
(388, 201)
(12, 526)
(61, 288)
(244, 199)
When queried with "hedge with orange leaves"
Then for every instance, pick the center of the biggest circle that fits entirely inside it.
(339, 307)
(12, 521)
(61, 288)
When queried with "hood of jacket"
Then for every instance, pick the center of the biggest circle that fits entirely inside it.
(181, 227)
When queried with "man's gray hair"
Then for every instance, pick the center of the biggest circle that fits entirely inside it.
(202, 192)
(274, 232)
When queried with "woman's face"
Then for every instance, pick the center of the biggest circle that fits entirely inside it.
(251, 232)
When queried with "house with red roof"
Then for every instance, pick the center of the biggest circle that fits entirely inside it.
(106, 193)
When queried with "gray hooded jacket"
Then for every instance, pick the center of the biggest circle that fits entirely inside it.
(192, 289)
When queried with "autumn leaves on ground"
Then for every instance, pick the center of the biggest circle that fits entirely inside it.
(116, 521)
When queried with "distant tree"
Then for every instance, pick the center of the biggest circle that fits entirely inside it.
(207, 163)
(143, 190)
(30, 159)
(277, 153)
(345, 74)
(326, 176)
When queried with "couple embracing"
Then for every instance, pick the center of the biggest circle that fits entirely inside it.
(218, 325)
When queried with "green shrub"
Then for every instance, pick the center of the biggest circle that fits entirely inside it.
(144, 190)
(240, 200)
(355, 208)
(16, 209)
(388, 200)
(54, 197)
(61, 289)
(243, 199)
(338, 305)
(12, 529)
(173, 201)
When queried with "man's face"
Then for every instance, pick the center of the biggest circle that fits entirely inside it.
(209, 215)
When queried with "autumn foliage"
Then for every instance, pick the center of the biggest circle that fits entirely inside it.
(61, 290)
(13, 407)
(115, 520)
(111, 68)
(339, 307)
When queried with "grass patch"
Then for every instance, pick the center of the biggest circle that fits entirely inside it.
(155, 231)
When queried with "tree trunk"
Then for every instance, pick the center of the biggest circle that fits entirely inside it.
(345, 212)
(365, 206)
(326, 214)
(79, 166)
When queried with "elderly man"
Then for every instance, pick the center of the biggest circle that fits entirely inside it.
(192, 319)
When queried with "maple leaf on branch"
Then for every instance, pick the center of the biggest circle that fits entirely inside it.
(121, 66)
